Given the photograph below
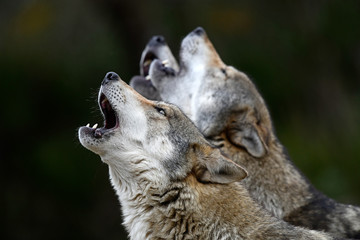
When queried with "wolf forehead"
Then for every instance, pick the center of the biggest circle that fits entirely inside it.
(232, 91)
(180, 126)
(181, 133)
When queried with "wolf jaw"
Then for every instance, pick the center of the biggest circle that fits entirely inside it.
(227, 108)
(111, 121)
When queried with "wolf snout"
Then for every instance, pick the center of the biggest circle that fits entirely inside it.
(157, 40)
(199, 31)
(110, 76)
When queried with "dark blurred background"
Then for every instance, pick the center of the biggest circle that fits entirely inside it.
(303, 55)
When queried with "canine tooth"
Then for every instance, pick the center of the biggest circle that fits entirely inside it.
(147, 77)
(88, 125)
(165, 62)
(95, 125)
(147, 62)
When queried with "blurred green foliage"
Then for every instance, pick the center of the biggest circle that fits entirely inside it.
(304, 57)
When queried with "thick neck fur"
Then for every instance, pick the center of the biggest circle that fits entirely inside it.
(273, 180)
(276, 184)
(189, 209)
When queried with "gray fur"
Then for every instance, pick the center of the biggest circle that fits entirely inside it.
(227, 108)
(171, 183)
(156, 48)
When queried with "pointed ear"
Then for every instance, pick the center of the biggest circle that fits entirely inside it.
(216, 168)
(247, 135)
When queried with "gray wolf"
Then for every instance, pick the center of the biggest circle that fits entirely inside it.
(171, 183)
(228, 109)
(156, 48)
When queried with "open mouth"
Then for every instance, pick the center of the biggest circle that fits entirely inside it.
(108, 112)
(111, 121)
(148, 59)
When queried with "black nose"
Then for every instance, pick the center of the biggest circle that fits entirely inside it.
(157, 40)
(199, 31)
(110, 76)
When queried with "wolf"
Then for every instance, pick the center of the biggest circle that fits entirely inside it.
(170, 181)
(156, 48)
(227, 108)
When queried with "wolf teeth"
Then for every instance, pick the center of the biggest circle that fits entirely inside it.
(95, 126)
(165, 62)
(88, 125)
(147, 77)
(147, 63)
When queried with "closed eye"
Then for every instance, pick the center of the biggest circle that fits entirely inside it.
(160, 110)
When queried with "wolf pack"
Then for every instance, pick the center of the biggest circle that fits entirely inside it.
(192, 154)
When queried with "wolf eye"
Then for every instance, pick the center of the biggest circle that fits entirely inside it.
(160, 110)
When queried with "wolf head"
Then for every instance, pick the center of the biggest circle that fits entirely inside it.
(219, 99)
(156, 48)
(151, 141)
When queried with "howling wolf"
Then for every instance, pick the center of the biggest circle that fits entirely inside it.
(227, 108)
(171, 183)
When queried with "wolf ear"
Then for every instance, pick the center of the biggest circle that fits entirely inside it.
(247, 136)
(216, 168)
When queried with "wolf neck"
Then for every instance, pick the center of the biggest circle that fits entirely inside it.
(273, 181)
(150, 210)
(180, 211)
(133, 204)
(191, 210)
(291, 187)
